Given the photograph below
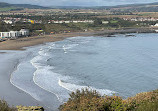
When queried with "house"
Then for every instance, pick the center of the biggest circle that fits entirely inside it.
(15, 34)
(24, 32)
(156, 25)
(105, 22)
(8, 21)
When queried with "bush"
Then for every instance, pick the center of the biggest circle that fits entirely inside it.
(145, 100)
(5, 107)
(90, 100)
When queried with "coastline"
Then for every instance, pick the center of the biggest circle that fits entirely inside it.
(10, 93)
(10, 52)
(20, 43)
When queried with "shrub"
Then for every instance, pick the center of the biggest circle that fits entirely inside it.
(5, 107)
(145, 100)
(90, 100)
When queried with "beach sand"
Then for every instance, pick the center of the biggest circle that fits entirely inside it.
(19, 43)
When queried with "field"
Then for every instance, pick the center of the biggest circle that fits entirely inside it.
(7, 8)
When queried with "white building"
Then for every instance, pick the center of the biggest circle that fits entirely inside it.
(105, 22)
(8, 21)
(15, 34)
(24, 32)
(156, 25)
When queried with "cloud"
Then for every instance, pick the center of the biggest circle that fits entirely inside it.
(77, 2)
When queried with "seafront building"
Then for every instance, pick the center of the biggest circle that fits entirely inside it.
(14, 34)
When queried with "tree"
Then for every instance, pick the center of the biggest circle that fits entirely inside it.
(97, 22)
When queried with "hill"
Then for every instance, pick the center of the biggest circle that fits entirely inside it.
(150, 7)
(7, 7)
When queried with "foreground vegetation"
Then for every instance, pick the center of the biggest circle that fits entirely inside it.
(5, 107)
(89, 100)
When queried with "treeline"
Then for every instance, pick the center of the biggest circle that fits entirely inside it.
(55, 16)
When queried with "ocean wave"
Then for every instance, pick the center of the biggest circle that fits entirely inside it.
(45, 78)
(74, 87)
(69, 46)
(16, 81)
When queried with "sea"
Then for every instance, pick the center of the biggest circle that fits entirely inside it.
(121, 65)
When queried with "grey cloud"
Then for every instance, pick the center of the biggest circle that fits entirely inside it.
(77, 2)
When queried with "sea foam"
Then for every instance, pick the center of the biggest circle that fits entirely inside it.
(52, 82)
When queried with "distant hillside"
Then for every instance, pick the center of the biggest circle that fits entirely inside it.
(7, 6)
(150, 7)
(29, 6)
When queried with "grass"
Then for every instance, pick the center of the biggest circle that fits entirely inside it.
(7, 8)
(113, 21)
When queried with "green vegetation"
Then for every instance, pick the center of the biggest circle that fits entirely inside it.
(8, 8)
(90, 100)
(5, 107)
(66, 27)
(30, 108)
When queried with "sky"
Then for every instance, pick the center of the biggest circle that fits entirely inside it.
(77, 2)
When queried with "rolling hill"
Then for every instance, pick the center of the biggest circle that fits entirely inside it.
(7, 6)
(150, 7)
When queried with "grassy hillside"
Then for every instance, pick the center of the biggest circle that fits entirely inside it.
(8, 7)
(150, 7)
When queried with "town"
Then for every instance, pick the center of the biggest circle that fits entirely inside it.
(37, 22)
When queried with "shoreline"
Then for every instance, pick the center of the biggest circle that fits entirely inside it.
(21, 43)
(14, 95)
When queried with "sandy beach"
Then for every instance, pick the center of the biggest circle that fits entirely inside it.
(19, 43)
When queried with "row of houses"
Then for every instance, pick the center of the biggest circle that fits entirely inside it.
(141, 19)
(73, 21)
(14, 34)
(11, 20)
